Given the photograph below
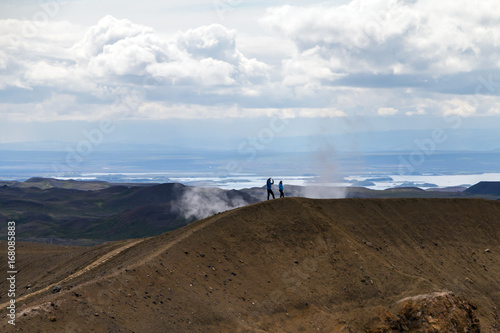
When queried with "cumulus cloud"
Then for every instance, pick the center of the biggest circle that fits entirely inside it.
(203, 56)
(117, 61)
(108, 32)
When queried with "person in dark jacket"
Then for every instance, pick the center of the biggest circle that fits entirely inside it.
(280, 187)
(270, 183)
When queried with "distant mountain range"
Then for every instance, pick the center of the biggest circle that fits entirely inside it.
(68, 212)
(91, 212)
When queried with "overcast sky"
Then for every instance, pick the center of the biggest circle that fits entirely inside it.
(407, 63)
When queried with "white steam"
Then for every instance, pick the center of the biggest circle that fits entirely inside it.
(325, 164)
(199, 202)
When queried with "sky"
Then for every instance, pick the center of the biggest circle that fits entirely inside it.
(229, 68)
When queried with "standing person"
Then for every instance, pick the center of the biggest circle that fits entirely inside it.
(270, 183)
(280, 186)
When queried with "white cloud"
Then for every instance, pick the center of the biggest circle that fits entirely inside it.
(55, 108)
(117, 58)
(393, 36)
(157, 110)
(47, 74)
(327, 60)
(203, 56)
(387, 111)
(418, 112)
(494, 111)
(321, 113)
(309, 67)
(107, 32)
(459, 107)
(20, 55)
(214, 41)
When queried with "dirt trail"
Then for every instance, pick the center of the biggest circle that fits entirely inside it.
(197, 226)
(87, 268)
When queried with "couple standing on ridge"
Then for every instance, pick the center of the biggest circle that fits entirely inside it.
(270, 183)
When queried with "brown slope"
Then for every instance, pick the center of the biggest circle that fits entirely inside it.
(290, 265)
(42, 265)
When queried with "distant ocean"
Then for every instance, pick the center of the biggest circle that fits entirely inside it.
(240, 181)
(375, 170)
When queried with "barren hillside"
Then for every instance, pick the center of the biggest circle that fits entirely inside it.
(288, 265)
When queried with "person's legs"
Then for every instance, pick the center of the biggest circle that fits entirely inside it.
(272, 193)
(282, 195)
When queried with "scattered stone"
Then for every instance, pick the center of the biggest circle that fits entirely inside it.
(52, 318)
(56, 289)
(487, 250)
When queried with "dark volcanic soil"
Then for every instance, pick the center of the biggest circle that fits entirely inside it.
(288, 265)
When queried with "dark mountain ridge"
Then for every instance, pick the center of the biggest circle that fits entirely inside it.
(69, 216)
(485, 188)
(73, 214)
